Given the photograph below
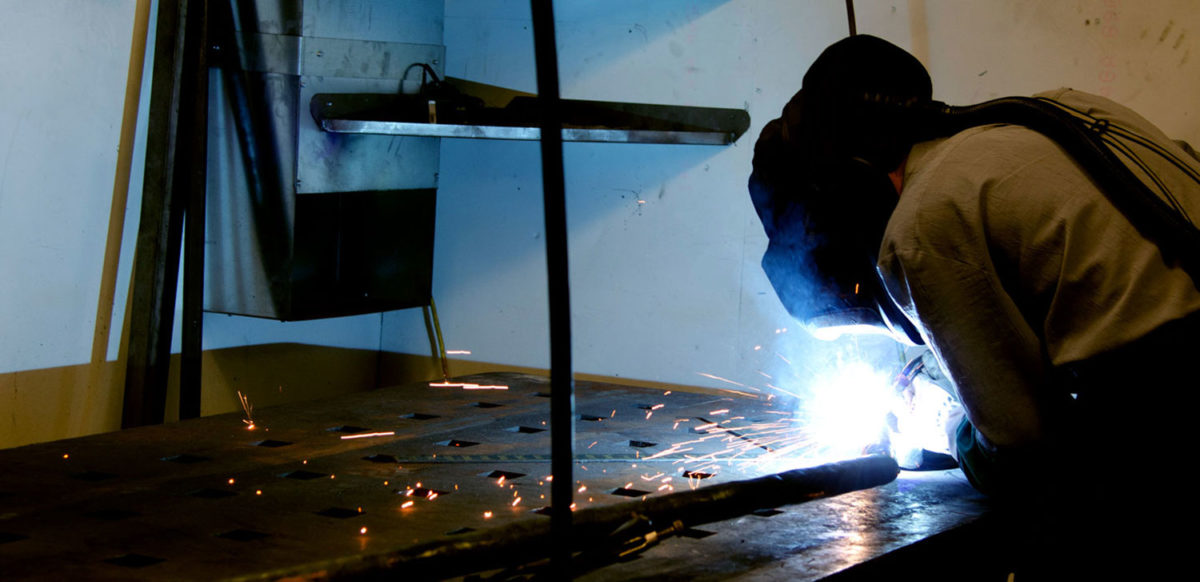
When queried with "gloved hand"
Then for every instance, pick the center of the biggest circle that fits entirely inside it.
(923, 420)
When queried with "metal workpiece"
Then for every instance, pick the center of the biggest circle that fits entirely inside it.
(347, 484)
(266, 154)
(517, 118)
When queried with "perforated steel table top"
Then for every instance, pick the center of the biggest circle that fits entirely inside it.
(374, 472)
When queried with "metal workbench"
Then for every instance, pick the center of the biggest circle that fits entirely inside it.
(319, 483)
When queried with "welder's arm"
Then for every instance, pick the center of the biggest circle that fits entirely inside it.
(992, 355)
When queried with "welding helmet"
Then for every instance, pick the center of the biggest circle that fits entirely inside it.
(821, 189)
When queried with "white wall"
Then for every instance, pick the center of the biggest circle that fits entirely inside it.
(663, 289)
(671, 287)
(63, 66)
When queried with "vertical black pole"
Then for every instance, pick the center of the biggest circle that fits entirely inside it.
(156, 262)
(850, 17)
(194, 181)
(562, 386)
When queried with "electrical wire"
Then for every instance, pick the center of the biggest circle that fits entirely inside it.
(1104, 128)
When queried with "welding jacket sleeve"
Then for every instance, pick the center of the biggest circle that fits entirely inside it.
(1012, 264)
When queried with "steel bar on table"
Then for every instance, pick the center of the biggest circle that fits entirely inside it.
(593, 528)
(562, 383)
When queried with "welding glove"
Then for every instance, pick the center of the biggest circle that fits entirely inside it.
(923, 424)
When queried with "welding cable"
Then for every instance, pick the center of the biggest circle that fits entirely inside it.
(1154, 218)
(1111, 134)
(427, 73)
(1138, 138)
(1121, 148)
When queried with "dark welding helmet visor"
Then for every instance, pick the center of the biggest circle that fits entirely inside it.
(824, 236)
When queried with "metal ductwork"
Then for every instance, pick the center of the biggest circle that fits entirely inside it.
(302, 223)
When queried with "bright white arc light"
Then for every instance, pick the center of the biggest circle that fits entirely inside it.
(848, 409)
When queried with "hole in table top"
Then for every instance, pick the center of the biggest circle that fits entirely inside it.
(381, 458)
(186, 459)
(525, 429)
(271, 444)
(627, 492)
(457, 443)
(243, 535)
(418, 416)
(340, 512)
(347, 429)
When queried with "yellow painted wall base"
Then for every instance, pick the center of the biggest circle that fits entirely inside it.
(69, 401)
(56, 403)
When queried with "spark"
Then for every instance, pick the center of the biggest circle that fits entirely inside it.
(593, 444)
(248, 409)
(66, 456)
(362, 530)
(407, 504)
(258, 491)
(467, 386)
(719, 411)
(231, 480)
(487, 515)
(367, 435)
(667, 393)
(718, 378)
(432, 495)
(516, 501)
(582, 488)
(458, 352)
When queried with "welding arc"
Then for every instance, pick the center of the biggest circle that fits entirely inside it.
(528, 541)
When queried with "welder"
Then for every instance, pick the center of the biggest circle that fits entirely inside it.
(1041, 247)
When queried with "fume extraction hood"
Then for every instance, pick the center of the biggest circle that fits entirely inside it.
(323, 172)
